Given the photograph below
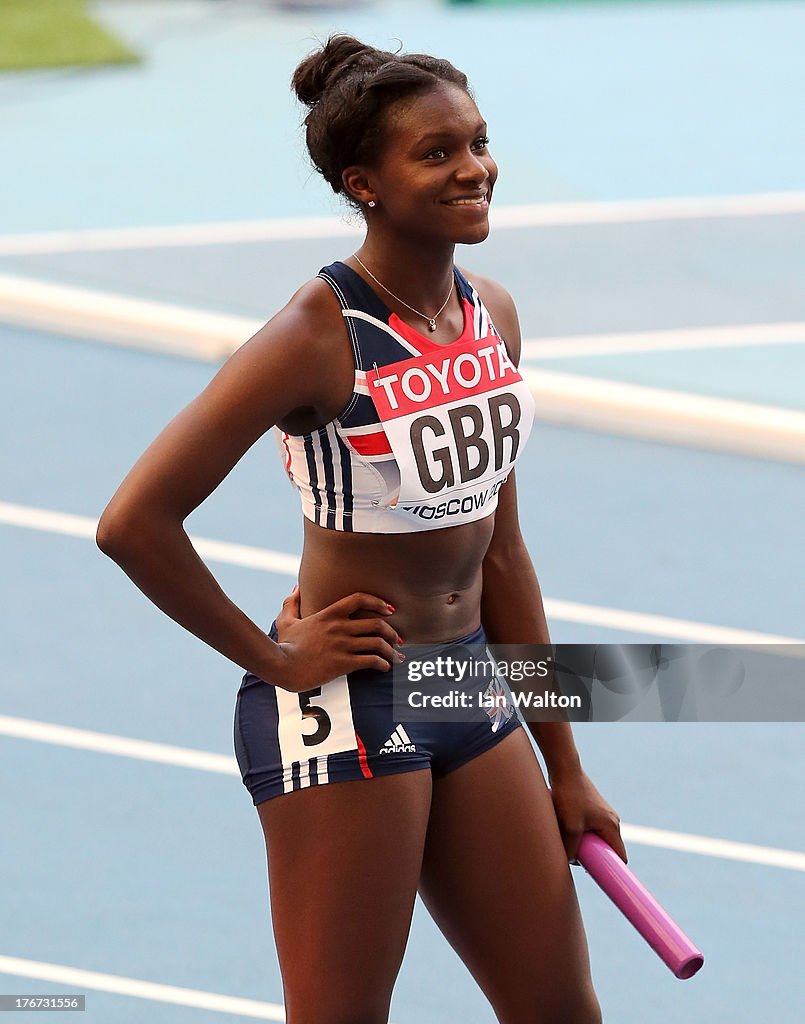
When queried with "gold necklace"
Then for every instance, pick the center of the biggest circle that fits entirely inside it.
(431, 319)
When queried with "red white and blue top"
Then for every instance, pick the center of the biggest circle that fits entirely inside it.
(430, 432)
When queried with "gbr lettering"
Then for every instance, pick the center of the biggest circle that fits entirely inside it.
(442, 465)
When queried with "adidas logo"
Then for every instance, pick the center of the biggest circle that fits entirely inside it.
(398, 743)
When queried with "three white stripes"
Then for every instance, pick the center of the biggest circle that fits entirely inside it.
(331, 501)
(319, 766)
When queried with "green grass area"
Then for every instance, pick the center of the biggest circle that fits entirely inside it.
(54, 33)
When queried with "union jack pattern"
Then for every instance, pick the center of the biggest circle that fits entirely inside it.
(498, 707)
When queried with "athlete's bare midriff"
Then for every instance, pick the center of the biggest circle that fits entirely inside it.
(432, 578)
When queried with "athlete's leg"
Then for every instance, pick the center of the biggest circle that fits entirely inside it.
(344, 861)
(497, 882)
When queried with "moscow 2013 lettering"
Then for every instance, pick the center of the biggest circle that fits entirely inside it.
(456, 506)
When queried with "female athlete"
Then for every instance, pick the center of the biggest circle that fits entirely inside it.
(391, 383)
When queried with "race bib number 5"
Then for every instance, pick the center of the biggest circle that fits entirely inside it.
(315, 723)
(455, 419)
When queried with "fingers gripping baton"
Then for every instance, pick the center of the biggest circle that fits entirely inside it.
(632, 898)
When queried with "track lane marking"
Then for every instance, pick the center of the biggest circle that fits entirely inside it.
(121, 746)
(679, 339)
(124, 320)
(706, 846)
(569, 399)
(194, 333)
(74, 977)
(266, 560)
(665, 416)
(69, 525)
(263, 559)
(201, 760)
(513, 217)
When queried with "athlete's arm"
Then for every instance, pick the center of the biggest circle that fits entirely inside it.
(511, 602)
(275, 376)
(512, 612)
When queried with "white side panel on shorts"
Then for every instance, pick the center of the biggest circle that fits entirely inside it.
(328, 712)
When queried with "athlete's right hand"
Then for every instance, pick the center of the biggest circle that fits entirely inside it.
(330, 643)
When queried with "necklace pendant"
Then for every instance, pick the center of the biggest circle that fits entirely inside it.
(431, 325)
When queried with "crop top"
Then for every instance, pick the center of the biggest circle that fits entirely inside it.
(430, 432)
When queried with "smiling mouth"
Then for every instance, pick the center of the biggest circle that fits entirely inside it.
(477, 200)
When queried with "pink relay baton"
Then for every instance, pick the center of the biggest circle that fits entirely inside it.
(634, 900)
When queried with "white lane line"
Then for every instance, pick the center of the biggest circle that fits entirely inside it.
(658, 626)
(502, 217)
(726, 849)
(198, 334)
(569, 399)
(74, 978)
(248, 557)
(69, 525)
(282, 229)
(675, 417)
(121, 320)
(51, 522)
(625, 211)
(679, 339)
(123, 746)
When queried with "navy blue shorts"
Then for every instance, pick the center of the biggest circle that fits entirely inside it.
(348, 729)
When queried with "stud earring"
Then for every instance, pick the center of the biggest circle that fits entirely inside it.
(372, 203)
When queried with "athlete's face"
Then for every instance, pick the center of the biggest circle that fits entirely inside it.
(435, 174)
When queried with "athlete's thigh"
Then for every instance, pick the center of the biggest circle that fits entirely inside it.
(344, 861)
(497, 882)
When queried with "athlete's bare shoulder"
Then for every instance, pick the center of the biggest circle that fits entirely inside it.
(308, 336)
(314, 315)
(501, 308)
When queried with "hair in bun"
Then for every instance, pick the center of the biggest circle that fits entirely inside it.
(321, 69)
(348, 86)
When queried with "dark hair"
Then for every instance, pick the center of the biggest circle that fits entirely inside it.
(348, 87)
